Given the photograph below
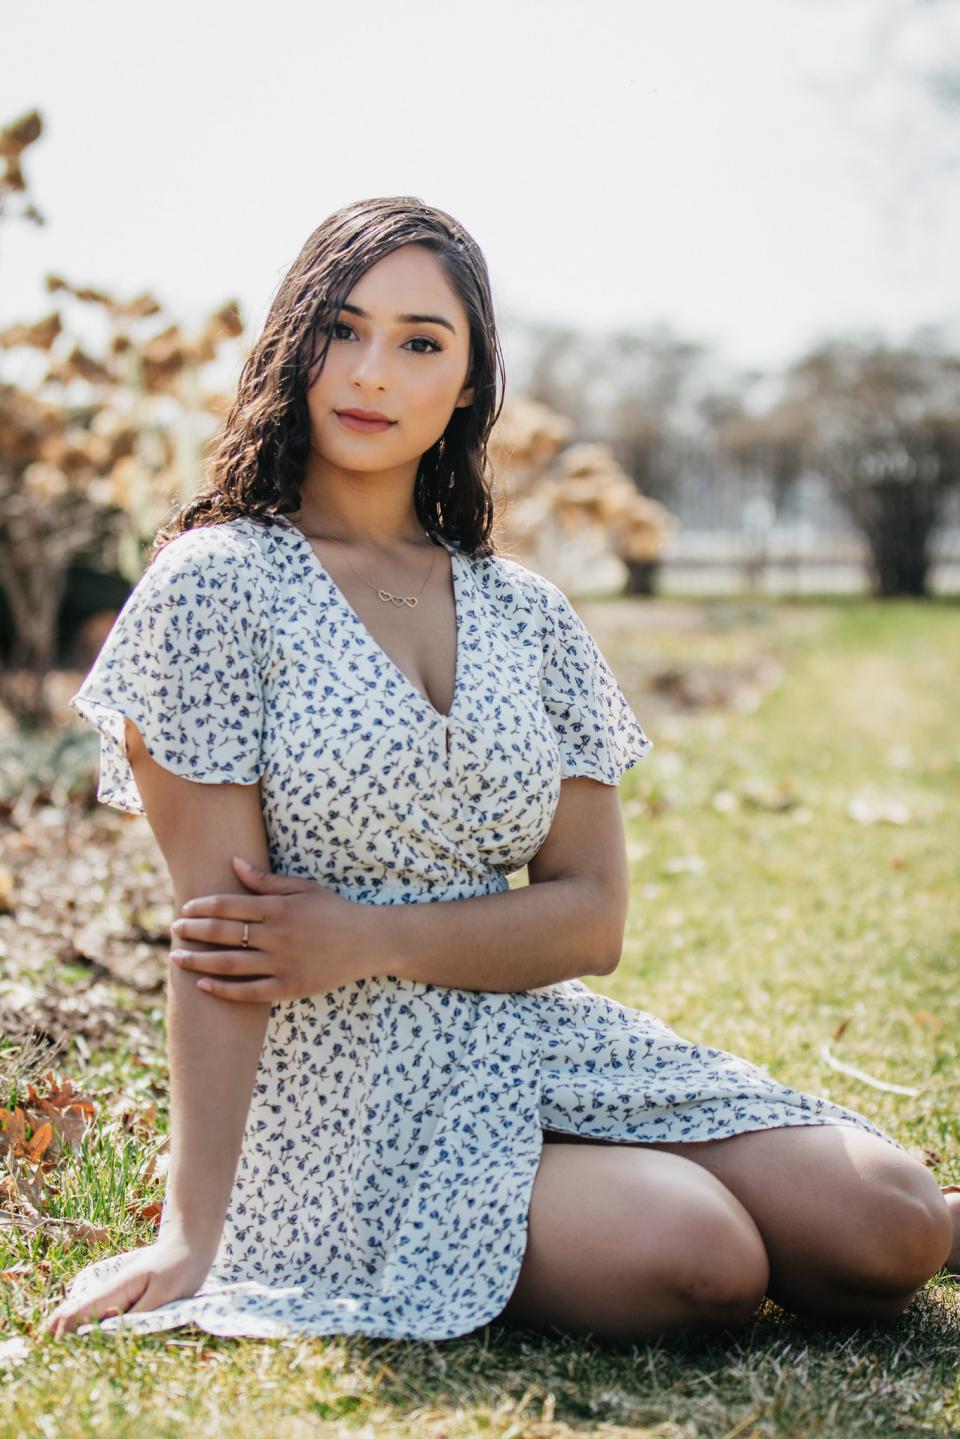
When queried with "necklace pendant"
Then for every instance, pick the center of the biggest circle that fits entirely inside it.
(410, 600)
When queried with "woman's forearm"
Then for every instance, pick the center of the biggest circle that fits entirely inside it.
(517, 939)
(213, 1050)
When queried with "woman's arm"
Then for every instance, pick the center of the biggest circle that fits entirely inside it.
(568, 921)
(213, 1048)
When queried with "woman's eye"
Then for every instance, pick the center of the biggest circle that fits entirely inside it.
(417, 339)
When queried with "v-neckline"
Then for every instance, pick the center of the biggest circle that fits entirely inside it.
(366, 633)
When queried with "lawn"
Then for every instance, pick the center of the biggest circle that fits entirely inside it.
(794, 847)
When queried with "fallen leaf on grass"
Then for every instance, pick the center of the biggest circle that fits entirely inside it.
(928, 1157)
(34, 1135)
(61, 1115)
(151, 1211)
(23, 1189)
(39, 1142)
(140, 1122)
(19, 1271)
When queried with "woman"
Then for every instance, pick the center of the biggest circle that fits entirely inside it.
(327, 671)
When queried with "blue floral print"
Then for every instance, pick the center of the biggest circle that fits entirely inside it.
(395, 1128)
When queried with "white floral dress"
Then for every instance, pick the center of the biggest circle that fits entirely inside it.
(395, 1127)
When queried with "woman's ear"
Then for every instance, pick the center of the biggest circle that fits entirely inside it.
(466, 397)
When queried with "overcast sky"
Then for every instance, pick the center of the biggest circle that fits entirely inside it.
(751, 173)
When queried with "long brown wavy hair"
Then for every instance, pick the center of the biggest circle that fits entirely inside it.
(256, 463)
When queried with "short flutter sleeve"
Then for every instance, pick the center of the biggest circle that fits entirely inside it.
(184, 661)
(598, 734)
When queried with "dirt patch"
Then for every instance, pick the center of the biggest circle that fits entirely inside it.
(678, 657)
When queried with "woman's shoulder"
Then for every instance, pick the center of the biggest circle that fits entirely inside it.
(510, 581)
(230, 551)
(238, 539)
(221, 570)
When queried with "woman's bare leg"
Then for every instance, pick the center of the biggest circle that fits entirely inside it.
(852, 1227)
(627, 1244)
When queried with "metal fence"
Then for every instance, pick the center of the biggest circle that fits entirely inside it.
(790, 560)
(731, 537)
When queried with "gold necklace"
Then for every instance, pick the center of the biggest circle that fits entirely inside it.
(385, 595)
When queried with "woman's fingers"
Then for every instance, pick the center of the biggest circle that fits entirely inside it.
(251, 991)
(227, 906)
(243, 963)
(217, 931)
(231, 974)
(93, 1307)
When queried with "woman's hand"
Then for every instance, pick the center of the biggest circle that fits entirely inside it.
(303, 939)
(171, 1268)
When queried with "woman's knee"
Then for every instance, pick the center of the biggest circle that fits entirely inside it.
(904, 1228)
(716, 1262)
(630, 1243)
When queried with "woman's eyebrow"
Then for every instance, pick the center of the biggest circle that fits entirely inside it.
(404, 319)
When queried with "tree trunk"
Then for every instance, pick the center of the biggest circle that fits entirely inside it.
(897, 521)
(899, 569)
(641, 576)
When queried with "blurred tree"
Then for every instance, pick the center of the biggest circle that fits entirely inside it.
(15, 199)
(882, 425)
(638, 391)
(94, 452)
(651, 422)
(571, 507)
(767, 448)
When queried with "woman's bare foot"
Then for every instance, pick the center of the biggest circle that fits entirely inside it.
(951, 1193)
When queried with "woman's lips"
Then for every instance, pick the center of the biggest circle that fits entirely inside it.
(365, 426)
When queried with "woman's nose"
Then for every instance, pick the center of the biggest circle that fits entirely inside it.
(369, 363)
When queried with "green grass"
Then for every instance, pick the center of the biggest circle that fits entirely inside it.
(801, 919)
(765, 920)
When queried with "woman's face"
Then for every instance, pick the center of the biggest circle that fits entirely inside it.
(413, 371)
